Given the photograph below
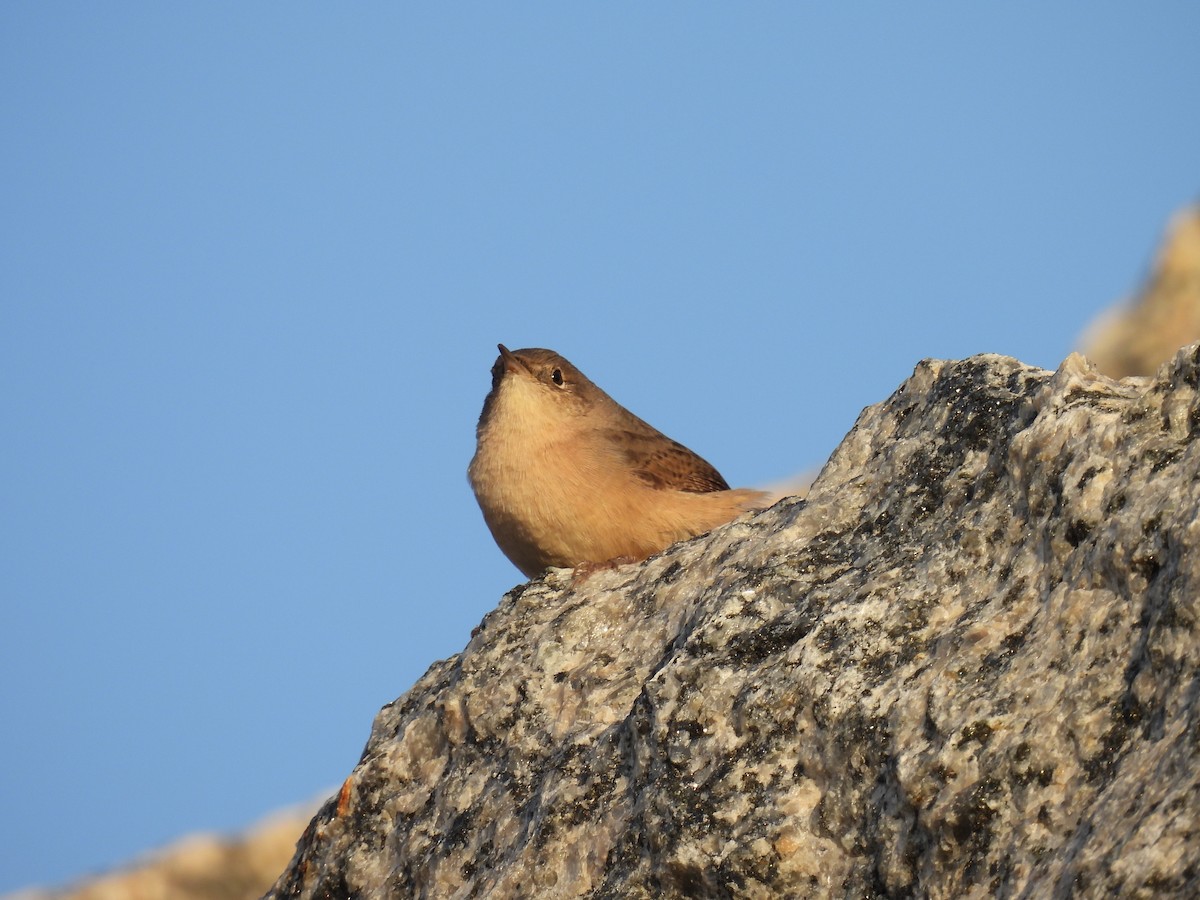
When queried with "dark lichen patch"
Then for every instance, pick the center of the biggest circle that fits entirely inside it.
(879, 666)
(1078, 532)
(900, 414)
(876, 525)
(1014, 593)
(1026, 773)
(1102, 400)
(969, 824)
(828, 548)
(999, 660)
(334, 886)
(928, 474)
(1183, 884)
(752, 647)
(1161, 457)
(588, 806)
(905, 648)
(831, 636)
(1147, 563)
(1101, 767)
(979, 732)
(459, 831)
(1114, 619)
(1177, 616)
(671, 573)
(985, 425)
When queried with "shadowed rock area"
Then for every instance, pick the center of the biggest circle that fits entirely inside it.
(966, 665)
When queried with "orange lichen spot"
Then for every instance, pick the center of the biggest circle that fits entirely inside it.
(343, 805)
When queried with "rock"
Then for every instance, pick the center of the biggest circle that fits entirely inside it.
(965, 666)
(199, 867)
(1136, 339)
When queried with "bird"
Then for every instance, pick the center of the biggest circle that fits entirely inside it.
(566, 477)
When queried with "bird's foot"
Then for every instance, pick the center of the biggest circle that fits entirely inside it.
(586, 570)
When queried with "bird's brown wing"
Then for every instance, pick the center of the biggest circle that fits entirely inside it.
(667, 464)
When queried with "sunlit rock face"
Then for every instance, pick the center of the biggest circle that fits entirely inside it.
(966, 665)
(1135, 338)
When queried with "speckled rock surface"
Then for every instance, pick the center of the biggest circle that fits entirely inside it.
(967, 665)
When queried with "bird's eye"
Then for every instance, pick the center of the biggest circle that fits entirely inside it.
(556, 377)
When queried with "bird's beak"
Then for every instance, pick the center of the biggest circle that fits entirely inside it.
(511, 362)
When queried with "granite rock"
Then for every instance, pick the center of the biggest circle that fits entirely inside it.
(202, 866)
(1135, 338)
(967, 665)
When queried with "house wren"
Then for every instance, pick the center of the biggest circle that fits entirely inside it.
(566, 476)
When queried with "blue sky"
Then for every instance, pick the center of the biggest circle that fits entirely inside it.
(255, 260)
